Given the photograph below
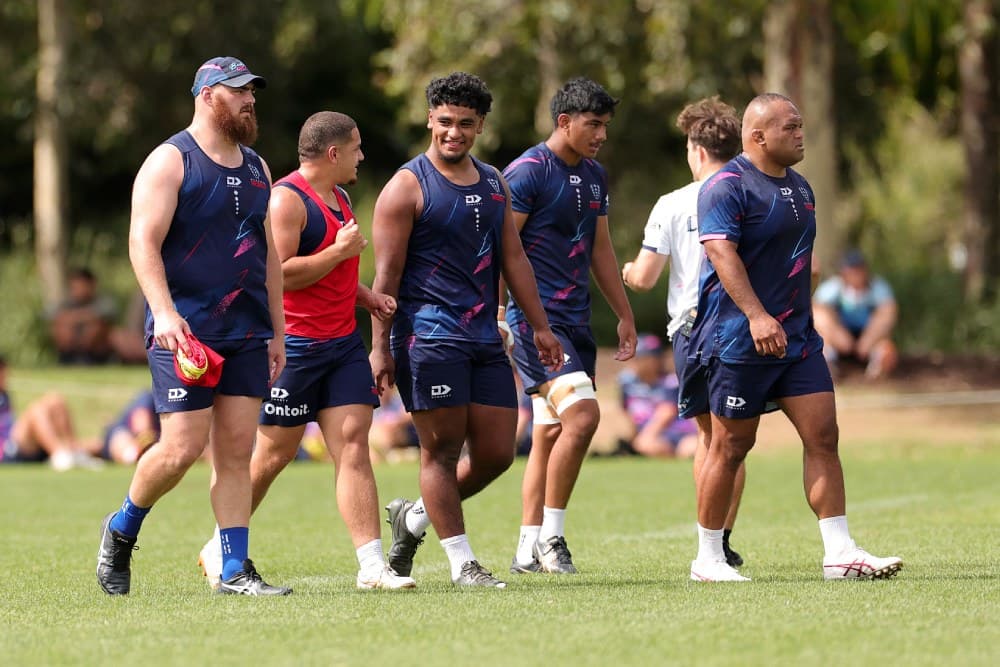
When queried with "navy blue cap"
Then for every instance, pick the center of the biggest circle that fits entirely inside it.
(853, 258)
(227, 70)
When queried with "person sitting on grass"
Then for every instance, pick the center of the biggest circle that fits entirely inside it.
(855, 313)
(43, 432)
(649, 397)
(132, 432)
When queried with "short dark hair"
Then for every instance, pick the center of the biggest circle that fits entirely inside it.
(81, 273)
(321, 130)
(581, 95)
(460, 89)
(713, 125)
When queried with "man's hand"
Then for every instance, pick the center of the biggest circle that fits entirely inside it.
(769, 336)
(383, 369)
(349, 240)
(170, 331)
(626, 340)
(276, 357)
(382, 306)
(550, 351)
(506, 335)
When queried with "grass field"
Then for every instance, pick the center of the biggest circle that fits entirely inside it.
(631, 529)
(633, 536)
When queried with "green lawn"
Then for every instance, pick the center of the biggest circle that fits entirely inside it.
(631, 529)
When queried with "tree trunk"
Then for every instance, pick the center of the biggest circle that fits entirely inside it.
(50, 188)
(979, 73)
(798, 62)
(547, 56)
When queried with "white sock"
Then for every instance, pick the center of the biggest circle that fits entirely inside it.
(553, 523)
(417, 519)
(836, 538)
(370, 558)
(710, 544)
(459, 553)
(529, 535)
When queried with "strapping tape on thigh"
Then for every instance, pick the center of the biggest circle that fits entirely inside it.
(568, 389)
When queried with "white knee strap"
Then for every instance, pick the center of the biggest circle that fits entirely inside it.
(567, 389)
(542, 413)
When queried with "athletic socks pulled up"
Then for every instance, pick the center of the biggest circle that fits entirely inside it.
(128, 520)
(235, 547)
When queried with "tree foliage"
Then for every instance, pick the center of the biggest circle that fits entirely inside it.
(895, 75)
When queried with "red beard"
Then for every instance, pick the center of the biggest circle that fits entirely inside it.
(240, 131)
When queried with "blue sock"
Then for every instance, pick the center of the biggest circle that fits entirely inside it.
(235, 545)
(128, 520)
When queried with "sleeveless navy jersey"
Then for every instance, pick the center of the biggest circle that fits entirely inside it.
(563, 204)
(215, 253)
(773, 222)
(450, 282)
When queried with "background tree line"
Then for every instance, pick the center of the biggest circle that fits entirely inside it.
(900, 102)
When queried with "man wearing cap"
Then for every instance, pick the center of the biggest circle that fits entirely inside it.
(203, 255)
(328, 378)
(855, 313)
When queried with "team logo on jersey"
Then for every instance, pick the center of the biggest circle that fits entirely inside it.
(256, 180)
(575, 180)
(595, 190)
(497, 194)
(805, 195)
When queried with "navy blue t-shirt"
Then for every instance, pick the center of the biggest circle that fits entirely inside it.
(773, 222)
(563, 204)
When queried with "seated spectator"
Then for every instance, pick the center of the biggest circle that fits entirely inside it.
(132, 432)
(649, 396)
(43, 432)
(81, 324)
(855, 313)
(393, 437)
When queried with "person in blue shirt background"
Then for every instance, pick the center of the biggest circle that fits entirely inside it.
(855, 313)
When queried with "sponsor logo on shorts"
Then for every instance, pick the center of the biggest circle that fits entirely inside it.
(176, 394)
(278, 393)
(286, 410)
(735, 402)
(440, 391)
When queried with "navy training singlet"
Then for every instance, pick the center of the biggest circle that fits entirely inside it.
(450, 282)
(215, 253)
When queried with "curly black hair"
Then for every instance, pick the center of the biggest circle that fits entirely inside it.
(581, 95)
(462, 90)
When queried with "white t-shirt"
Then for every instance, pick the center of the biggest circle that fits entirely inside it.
(672, 230)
